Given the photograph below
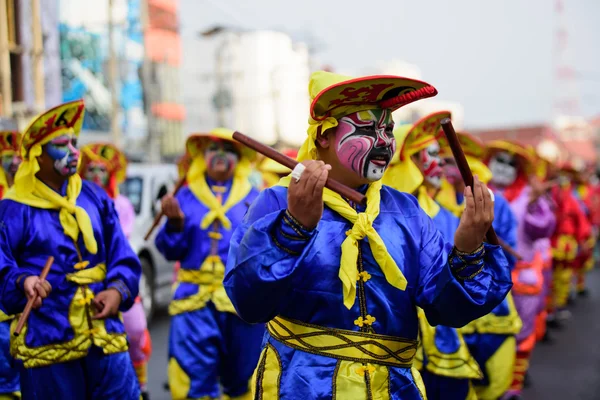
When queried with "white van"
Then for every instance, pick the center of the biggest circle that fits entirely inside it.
(144, 186)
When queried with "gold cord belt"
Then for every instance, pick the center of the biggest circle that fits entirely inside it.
(344, 344)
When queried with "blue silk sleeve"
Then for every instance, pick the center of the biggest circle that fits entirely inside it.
(172, 244)
(449, 297)
(264, 253)
(123, 269)
(12, 219)
(505, 225)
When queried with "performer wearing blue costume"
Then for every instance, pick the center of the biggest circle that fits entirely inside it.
(444, 360)
(209, 345)
(74, 345)
(341, 311)
(491, 339)
(9, 375)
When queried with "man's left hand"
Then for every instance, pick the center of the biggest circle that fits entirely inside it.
(107, 303)
(476, 219)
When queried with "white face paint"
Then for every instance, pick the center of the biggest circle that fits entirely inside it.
(504, 169)
(431, 165)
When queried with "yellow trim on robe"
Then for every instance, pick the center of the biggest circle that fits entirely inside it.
(209, 279)
(459, 364)
(267, 375)
(500, 367)
(10, 396)
(500, 325)
(179, 382)
(343, 344)
(85, 335)
(4, 317)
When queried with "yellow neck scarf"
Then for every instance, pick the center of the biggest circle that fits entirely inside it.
(447, 199)
(28, 189)
(239, 190)
(428, 205)
(363, 227)
(73, 218)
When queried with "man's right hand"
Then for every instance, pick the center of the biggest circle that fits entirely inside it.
(36, 288)
(171, 209)
(305, 197)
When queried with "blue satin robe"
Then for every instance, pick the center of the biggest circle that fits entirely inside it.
(9, 373)
(209, 345)
(28, 236)
(446, 339)
(264, 281)
(485, 346)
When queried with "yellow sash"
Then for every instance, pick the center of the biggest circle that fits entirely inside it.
(362, 227)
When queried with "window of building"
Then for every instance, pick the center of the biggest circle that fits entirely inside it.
(15, 50)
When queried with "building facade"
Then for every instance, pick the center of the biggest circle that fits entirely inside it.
(29, 58)
(253, 81)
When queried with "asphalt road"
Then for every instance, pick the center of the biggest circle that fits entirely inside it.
(567, 369)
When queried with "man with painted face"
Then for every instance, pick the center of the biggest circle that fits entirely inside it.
(491, 339)
(209, 345)
(511, 165)
(579, 182)
(571, 237)
(74, 345)
(341, 310)
(106, 166)
(445, 363)
(9, 375)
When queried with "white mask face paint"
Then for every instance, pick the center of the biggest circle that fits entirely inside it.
(432, 165)
(504, 169)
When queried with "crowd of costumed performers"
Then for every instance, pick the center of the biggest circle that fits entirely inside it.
(384, 288)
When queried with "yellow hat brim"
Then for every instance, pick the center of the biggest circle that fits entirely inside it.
(334, 95)
(107, 153)
(197, 141)
(10, 142)
(479, 168)
(268, 165)
(62, 119)
(471, 145)
(419, 135)
(513, 148)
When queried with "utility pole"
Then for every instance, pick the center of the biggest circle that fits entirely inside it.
(152, 148)
(112, 78)
(221, 82)
(38, 56)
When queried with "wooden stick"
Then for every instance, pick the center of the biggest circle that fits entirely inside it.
(282, 159)
(506, 247)
(28, 307)
(161, 213)
(463, 167)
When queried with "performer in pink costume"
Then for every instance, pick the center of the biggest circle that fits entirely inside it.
(512, 168)
(106, 166)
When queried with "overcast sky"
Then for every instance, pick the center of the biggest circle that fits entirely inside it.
(495, 57)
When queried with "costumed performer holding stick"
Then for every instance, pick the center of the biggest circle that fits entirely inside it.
(209, 345)
(74, 345)
(106, 166)
(341, 311)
